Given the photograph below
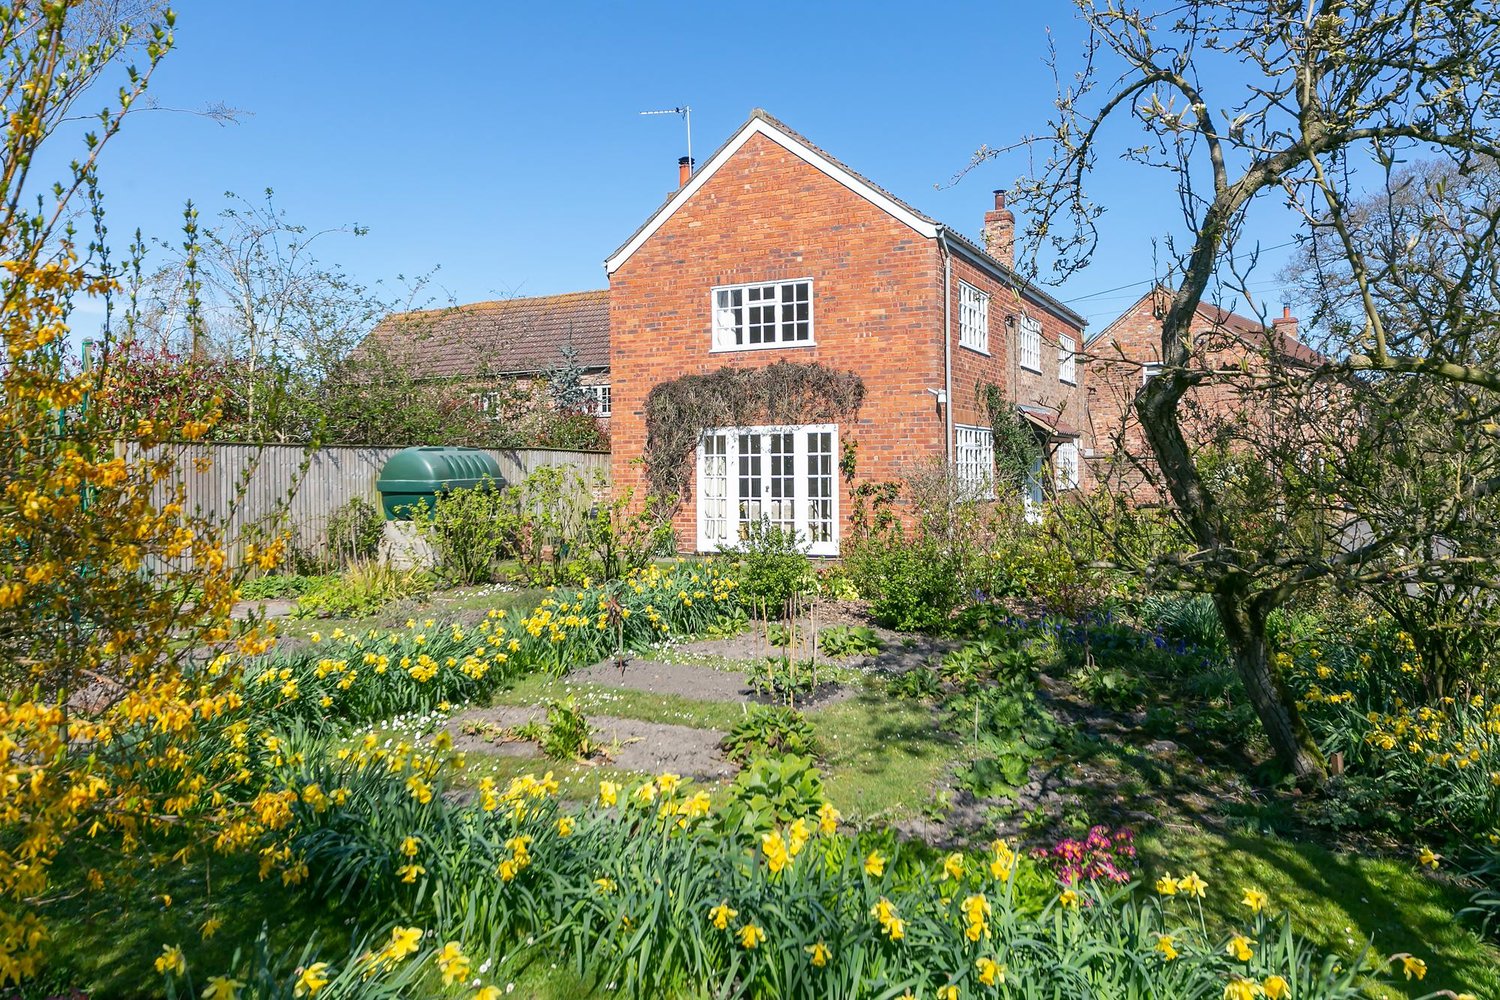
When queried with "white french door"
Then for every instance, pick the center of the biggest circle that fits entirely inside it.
(784, 475)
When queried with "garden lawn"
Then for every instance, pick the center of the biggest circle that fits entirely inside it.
(442, 605)
(1337, 901)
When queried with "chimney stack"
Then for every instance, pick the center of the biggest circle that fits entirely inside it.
(1287, 324)
(1000, 232)
(684, 170)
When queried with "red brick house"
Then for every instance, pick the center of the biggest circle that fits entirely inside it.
(1128, 351)
(774, 250)
(506, 346)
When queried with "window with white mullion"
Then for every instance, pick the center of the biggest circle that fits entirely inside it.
(1067, 360)
(974, 454)
(973, 318)
(781, 475)
(820, 492)
(713, 499)
(765, 314)
(1030, 344)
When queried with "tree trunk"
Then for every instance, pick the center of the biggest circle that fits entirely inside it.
(1245, 628)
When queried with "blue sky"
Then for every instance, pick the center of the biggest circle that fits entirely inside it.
(502, 143)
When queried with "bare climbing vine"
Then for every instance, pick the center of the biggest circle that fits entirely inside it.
(679, 411)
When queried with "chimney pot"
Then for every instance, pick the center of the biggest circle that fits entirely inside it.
(1286, 325)
(684, 170)
(1000, 232)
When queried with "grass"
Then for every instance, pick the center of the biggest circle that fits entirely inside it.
(438, 605)
(1338, 901)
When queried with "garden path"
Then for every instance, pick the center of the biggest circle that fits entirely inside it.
(628, 744)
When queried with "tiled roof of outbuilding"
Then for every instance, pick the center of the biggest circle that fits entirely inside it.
(505, 337)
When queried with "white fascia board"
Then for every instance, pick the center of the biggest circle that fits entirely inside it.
(812, 157)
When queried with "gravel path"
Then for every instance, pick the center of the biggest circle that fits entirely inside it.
(632, 745)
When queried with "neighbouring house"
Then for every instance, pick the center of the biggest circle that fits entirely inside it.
(504, 350)
(1126, 353)
(775, 251)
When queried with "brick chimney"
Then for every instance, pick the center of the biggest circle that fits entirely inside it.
(1287, 324)
(1000, 232)
(684, 170)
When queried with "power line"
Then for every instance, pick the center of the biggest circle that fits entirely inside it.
(1151, 281)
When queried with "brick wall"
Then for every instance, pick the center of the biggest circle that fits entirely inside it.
(767, 215)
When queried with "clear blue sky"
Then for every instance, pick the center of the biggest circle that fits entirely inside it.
(502, 142)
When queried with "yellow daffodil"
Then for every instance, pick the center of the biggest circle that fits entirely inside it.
(404, 941)
(452, 963)
(609, 793)
(222, 988)
(949, 992)
(1413, 967)
(875, 864)
(1167, 945)
(751, 936)
(721, 915)
(828, 819)
(953, 866)
(1239, 948)
(818, 955)
(311, 980)
(1276, 988)
(1255, 900)
(1166, 885)
(1240, 988)
(1192, 885)
(1428, 859)
(565, 826)
(1068, 897)
(991, 972)
(171, 961)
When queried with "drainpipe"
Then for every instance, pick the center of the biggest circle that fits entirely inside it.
(942, 236)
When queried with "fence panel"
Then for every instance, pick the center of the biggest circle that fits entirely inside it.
(242, 485)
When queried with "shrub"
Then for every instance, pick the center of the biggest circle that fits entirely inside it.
(1190, 619)
(773, 568)
(468, 529)
(773, 791)
(913, 584)
(354, 531)
(768, 731)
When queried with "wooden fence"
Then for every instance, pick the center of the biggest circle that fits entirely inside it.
(244, 485)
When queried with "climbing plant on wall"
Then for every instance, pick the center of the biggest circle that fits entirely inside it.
(1017, 450)
(679, 411)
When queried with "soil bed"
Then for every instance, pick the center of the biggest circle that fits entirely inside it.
(629, 744)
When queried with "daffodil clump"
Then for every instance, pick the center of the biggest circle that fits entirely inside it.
(375, 674)
(660, 885)
(1437, 758)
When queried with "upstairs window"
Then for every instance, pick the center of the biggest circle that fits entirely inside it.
(598, 399)
(1030, 344)
(1067, 370)
(1149, 371)
(973, 318)
(756, 316)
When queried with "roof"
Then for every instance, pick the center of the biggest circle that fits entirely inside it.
(504, 337)
(1252, 331)
(762, 123)
(1049, 421)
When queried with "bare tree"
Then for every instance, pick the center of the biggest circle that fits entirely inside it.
(1248, 106)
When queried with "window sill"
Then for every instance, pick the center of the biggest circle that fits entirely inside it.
(976, 350)
(738, 349)
(1028, 368)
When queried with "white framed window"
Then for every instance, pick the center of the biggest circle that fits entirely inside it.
(1029, 345)
(751, 317)
(1065, 464)
(1067, 360)
(973, 318)
(782, 475)
(974, 455)
(599, 399)
(1149, 371)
